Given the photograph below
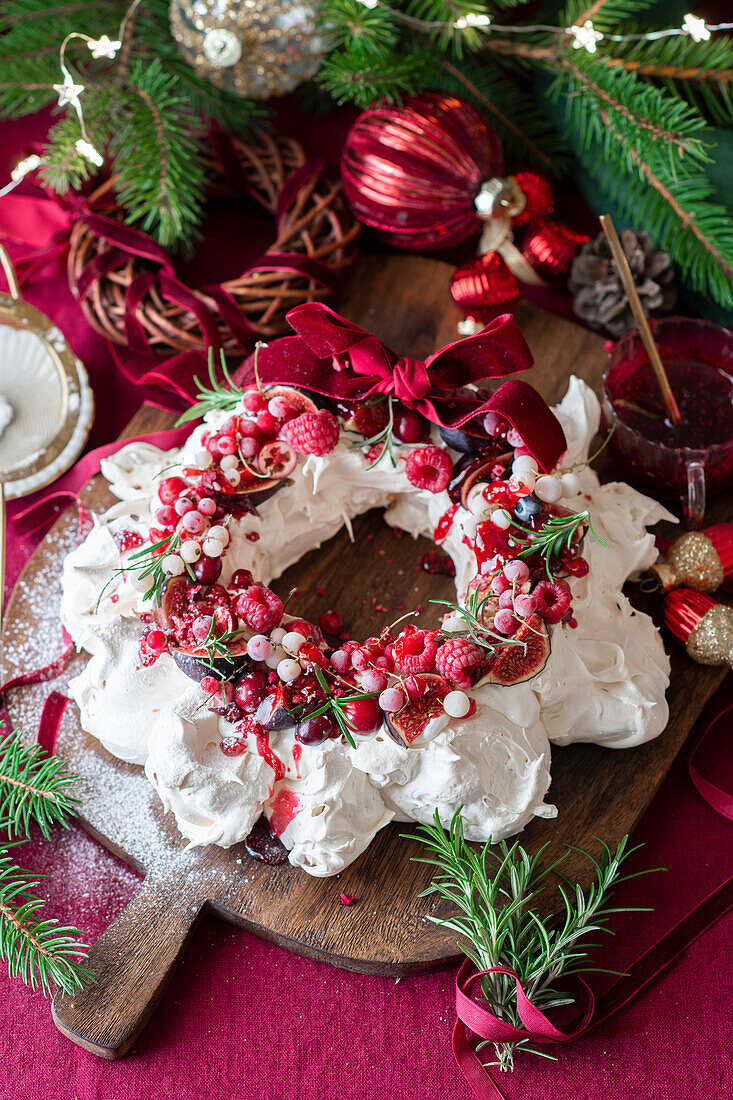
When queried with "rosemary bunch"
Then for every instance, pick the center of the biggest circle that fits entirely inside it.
(495, 891)
(34, 787)
(553, 537)
(217, 395)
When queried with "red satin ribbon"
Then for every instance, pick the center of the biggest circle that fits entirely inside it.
(720, 800)
(333, 357)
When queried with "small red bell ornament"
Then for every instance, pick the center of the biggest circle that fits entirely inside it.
(428, 174)
(705, 626)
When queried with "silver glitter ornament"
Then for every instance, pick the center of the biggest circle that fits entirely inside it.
(254, 48)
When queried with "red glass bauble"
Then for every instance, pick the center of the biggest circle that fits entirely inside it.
(551, 248)
(412, 172)
(485, 288)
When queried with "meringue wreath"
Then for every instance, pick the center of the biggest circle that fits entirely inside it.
(256, 725)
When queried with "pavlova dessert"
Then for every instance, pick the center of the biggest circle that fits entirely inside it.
(256, 725)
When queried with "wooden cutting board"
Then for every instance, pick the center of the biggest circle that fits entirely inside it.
(598, 792)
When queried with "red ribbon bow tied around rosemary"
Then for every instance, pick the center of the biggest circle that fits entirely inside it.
(337, 359)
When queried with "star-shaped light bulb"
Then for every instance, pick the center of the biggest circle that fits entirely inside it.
(585, 37)
(68, 92)
(369, 3)
(103, 47)
(696, 28)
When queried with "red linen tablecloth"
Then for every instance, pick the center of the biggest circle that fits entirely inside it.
(244, 1018)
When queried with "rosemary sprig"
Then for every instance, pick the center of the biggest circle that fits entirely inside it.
(552, 538)
(217, 396)
(477, 629)
(218, 645)
(384, 436)
(333, 704)
(33, 787)
(495, 892)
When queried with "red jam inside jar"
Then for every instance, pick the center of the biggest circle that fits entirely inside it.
(698, 358)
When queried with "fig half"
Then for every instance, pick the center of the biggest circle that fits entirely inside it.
(410, 723)
(195, 662)
(272, 712)
(513, 664)
(462, 440)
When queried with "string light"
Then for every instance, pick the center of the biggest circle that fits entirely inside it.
(103, 47)
(472, 20)
(585, 37)
(69, 92)
(87, 150)
(696, 28)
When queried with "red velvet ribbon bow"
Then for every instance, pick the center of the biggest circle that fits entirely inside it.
(335, 358)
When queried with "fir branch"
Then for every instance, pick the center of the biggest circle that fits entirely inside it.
(34, 787)
(39, 952)
(353, 74)
(495, 894)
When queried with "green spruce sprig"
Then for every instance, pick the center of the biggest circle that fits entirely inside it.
(494, 891)
(34, 787)
(39, 951)
(217, 396)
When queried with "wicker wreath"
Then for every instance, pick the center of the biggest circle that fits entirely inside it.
(315, 241)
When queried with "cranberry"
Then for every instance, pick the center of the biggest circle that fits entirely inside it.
(233, 746)
(363, 715)
(183, 505)
(313, 731)
(241, 578)
(227, 444)
(156, 640)
(250, 690)
(170, 489)
(230, 426)
(201, 627)
(253, 401)
(576, 567)
(207, 570)
(166, 516)
(409, 426)
(210, 685)
(331, 622)
(266, 421)
(248, 430)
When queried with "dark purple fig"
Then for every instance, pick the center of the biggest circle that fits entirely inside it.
(173, 602)
(262, 844)
(462, 439)
(272, 712)
(196, 663)
(411, 722)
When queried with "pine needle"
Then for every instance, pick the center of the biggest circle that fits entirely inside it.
(33, 787)
(38, 951)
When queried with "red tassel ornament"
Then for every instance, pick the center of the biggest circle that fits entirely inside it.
(484, 288)
(698, 559)
(539, 200)
(706, 627)
(551, 247)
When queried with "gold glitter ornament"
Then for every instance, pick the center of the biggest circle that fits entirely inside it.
(254, 48)
(706, 627)
(698, 559)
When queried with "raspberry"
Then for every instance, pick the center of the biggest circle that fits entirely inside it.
(312, 433)
(456, 660)
(260, 608)
(429, 468)
(553, 599)
(415, 652)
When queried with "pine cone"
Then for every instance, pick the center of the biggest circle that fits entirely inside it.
(598, 294)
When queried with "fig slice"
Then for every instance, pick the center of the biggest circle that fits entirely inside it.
(513, 664)
(410, 724)
(173, 602)
(298, 400)
(195, 663)
(273, 713)
(481, 471)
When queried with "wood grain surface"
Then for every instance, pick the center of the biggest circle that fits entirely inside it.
(598, 792)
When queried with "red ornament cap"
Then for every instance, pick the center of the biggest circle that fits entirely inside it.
(551, 247)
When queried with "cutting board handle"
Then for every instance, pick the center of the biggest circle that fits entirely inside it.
(131, 962)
